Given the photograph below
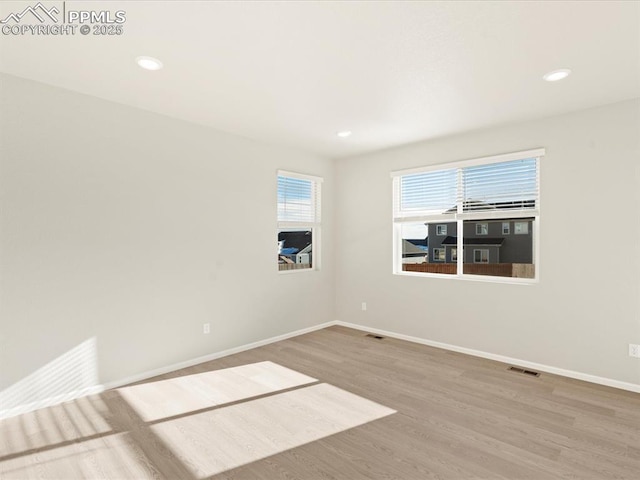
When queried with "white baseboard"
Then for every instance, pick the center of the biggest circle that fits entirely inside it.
(212, 356)
(51, 401)
(48, 402)
(632, 387)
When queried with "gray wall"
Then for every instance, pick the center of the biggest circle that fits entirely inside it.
(435, 241)
(582, 314)
(517, 248)
(514, 249)
(133, 229)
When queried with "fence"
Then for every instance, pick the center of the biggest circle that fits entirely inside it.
(519, 270)
(293, 266)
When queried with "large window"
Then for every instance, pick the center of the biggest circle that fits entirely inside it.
(469, 207)
(298, 221)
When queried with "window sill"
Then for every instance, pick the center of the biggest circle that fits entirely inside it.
(297, 270)
(472, 278)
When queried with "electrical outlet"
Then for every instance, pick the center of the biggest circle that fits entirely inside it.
(634, 350)
(364, 306)
(206, 328)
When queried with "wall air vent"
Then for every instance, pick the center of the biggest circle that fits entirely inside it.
(524, 371)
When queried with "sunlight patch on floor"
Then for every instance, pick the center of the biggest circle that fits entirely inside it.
(180, 395)
(113, 456)
(196, 425)
(67, 422)
(219, 440)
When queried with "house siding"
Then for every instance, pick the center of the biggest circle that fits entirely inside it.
(435, 241)
(516, 248)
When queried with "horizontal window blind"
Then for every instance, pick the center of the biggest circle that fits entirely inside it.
(496, 187)
(298, 199)
(505, 185)
(429, 193)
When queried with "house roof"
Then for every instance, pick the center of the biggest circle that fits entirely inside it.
(298, 239)
(409, 249)
(418, 241)
(472, 205)
(474, 241)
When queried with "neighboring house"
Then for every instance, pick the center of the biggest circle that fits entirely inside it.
(488, 241)
(295, 247)
(437, 233)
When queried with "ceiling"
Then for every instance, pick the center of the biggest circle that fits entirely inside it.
(296, 73)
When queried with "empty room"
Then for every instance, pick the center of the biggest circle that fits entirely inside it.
(338, 240)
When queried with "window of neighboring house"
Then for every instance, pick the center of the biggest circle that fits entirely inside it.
(480, 256)
(482, 229)
(439, 255)
(468, 197)
(521, 228)
(298, 221)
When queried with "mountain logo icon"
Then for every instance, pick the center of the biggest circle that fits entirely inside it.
(39, 11)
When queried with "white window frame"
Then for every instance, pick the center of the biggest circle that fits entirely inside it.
(479, 228)
(454, 254)
(459, 216)
(314, 226)
(515, 228)
(441, 230)
(506, 231)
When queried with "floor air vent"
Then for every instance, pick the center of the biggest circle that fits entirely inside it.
(524, 371)
(371, 335)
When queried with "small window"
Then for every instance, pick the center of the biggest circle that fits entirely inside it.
(454, 254)
(506, 228)
(482, 228)
(295, 249)
(521, 228)
(439, 255)
(481, 256)
(298, 221)
(441, 230)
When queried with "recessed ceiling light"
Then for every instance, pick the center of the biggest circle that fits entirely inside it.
(344, 134)
(556, 75)
(149, 63)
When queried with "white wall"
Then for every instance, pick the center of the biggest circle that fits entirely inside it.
(123, 231)
(586, 308)
(133, 229)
